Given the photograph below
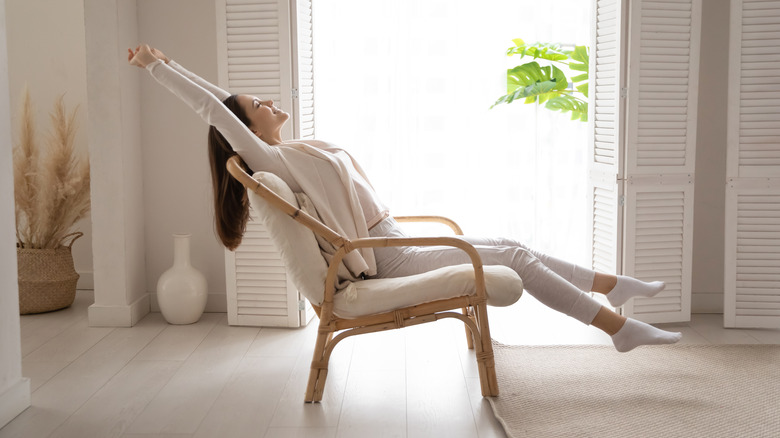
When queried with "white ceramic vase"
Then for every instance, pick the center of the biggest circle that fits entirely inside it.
(182, 289)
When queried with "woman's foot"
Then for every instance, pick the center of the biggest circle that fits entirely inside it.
(627, 288)
(635, 333)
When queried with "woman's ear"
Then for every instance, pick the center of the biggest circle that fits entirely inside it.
(255, 132)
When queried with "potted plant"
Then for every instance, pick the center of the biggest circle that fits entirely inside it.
(51, 192)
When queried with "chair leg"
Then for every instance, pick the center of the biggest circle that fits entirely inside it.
(485, 356)
(319, 367)
(469, 335)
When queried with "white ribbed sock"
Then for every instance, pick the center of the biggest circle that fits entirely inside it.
(627, 288)
(635, 333)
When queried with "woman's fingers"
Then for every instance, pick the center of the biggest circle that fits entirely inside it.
(141, 56)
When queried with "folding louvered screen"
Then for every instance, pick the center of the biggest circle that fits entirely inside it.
(663, 76)
(752, 238)
(605, 148)
(262, 52)
(644, 82)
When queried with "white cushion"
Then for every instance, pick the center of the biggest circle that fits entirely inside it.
(503, 285)
(296, 243)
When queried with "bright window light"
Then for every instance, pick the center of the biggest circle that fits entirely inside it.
(406, 87)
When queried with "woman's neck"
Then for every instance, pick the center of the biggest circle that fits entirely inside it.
(272, 140)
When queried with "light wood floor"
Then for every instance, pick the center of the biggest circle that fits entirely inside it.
(212, 380)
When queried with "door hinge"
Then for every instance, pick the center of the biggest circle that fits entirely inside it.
(623, 93)
(622, 200)
(294, 93)
(301, 304)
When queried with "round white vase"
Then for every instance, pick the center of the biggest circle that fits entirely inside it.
(182, 289)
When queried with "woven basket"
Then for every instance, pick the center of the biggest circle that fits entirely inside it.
(47, 278)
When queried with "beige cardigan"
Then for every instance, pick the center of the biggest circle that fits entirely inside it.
(340, 193)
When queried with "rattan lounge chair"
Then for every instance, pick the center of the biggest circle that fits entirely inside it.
(382, 304)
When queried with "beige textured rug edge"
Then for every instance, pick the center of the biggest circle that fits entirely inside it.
(680, 390)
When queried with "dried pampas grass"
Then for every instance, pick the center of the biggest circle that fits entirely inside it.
(51, 189)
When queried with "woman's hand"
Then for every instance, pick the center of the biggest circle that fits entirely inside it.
(141, 56)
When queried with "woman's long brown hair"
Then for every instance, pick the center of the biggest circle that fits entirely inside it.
(231, 203)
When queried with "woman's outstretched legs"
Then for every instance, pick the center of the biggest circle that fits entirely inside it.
(557, 284)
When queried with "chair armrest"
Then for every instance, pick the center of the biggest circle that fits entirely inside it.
(438, 219)
(381, 242)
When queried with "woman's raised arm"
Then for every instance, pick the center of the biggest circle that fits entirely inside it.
(213, 89)
(257, 154)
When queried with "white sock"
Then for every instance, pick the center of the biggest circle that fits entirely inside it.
(627, 288)
(635, 333)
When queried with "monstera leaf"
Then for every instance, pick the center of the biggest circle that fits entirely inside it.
(580, 61)
(533, 83)
(565, 103)
(550, 52)
(548, 84)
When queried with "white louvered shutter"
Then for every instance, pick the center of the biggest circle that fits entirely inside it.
(303, 69)
(605, 144)
(261, 52)
(752, 235)
(663, 76)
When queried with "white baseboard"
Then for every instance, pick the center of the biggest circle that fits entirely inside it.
(215, 303)
(14, 401)
(86, 280)
(707, 302)
(118, 316)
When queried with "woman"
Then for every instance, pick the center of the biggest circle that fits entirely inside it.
(345, 200)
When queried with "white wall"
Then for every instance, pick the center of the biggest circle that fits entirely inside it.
(177, 187)
(46, 52)
(710, 203)
(14, 390)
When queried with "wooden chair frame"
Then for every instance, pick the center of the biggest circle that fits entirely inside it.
(474, 307)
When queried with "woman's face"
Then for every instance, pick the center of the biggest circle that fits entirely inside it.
(265, 120)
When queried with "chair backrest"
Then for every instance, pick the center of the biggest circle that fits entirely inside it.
(296, 243)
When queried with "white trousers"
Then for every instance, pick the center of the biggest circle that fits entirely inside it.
(558, 284)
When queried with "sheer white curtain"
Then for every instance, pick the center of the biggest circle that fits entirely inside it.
(406, 87)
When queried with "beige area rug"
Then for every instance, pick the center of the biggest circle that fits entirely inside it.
(670, 391)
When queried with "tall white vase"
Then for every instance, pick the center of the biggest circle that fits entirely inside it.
(182, 289)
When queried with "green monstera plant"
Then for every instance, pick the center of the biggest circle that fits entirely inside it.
(548, 84)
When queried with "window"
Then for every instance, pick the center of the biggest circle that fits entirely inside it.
(406, 86)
